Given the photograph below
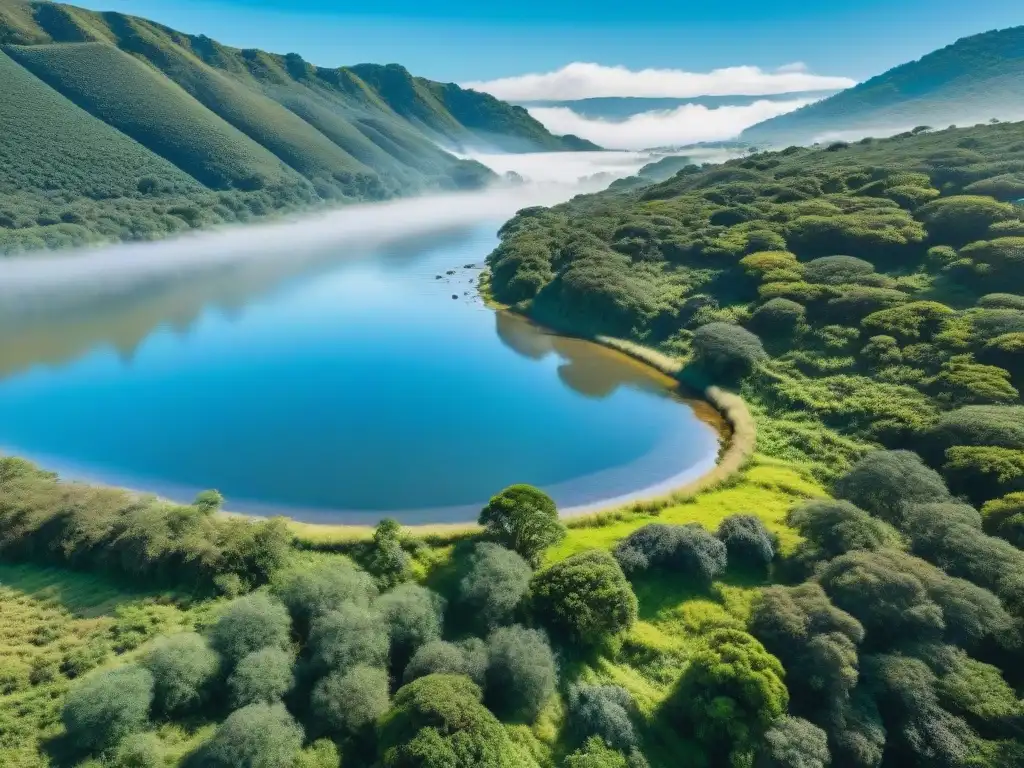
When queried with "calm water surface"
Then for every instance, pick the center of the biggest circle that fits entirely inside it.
(359, 385)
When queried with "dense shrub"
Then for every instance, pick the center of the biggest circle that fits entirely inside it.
(524, 519)
(348, 636)
(727, 350)
(521, 673)
(777, 317)
(104, 708)
(387, 561)
(262, 677)
(584, 598)
(309, 591)
(730, 694)
(249, 624)
(794, 743)
(349, 702)
(257, 736)
(688, 549)
(413, 615)
(833, 527)
(183, 668)
(139, 750)
(495, 584)
(1002, 301)
(999, 262)
(747, 542)
(466, 657)
(883, 482)
(962, 219)
(1004, 517)
(837, 270)
(438, 721)
(603, 711)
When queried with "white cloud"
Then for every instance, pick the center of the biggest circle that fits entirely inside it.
(688, 124)
(796, 66)
(581, 80)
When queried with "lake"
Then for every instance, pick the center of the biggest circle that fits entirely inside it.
(369, 381)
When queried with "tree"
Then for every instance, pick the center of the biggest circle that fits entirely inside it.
(727, 350)
(413, 615)
(140, 750)
(521, 673)
(778, 317)
(747, 541)
(438, 721)
(831, 528)
(388, 562)
(322, 753)
(208, 501)
(495, 584)
(730, 694)
(349, 636)
(309, 591)
(256, 736)
(466, 657)
(837, 270)
(183, 668)
(883, 482)
(584, 598)
(603, 711)
(1005, 518)
(105, 707)
(961, 219)
(595, 754)
(524, 519)
(687, 549)
(351, 702)
(249, 624)
(262, 677)
(794, 743)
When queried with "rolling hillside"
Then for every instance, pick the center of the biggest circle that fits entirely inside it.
(973, 80)
(113, 127)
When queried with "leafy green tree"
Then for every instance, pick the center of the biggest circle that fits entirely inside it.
(584, 598)
(105, 707)
(747, 541)
(309, 591)
(184, 668)
(438, 721)
(778, 317)
(350, 702)
(414, 616)
(466, 657)
(794, 743)
(351, 635)
(524, 519)
(262, 677)
(322, 753)
(495, 584)
(521, 673)
(595, 754)
(209, 501)
(388, 561)
(961, 219)
(727, 350)
(603, 711)
(837, 270)
(730, 694)
(139, 750)
(687, 549)
(256, 736)
(249, 624)
(883, 482)
(1005, 518)
(831, 528)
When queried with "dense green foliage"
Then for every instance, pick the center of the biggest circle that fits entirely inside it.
(257, 736)
(976, 78)
(249, 624)
(262, 677)
(116, 128)
(108, 706)
(183, 668)
(521, 671)
(524, 519)
(494, 587)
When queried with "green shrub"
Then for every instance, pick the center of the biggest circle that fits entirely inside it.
(1002, 301)
(348, 636)
(909, 322)
(139, 750)
(350, 702)
(603, 711)
(521, 673)
(792, 742)
(584, 599)
(727, 350)
(961, 219)
(388, 562)
(1004, 517)
(309, 591)
(747, 542)
(262, 677)
(466, 657)
(594, 754)
(495, 584)
(413, 616)
(778, 317)
(106, 707)
(833, 527)
(249, 624)
(883, 482)
(257, 736)
(184, 668)
(837, 270)
(689, 549)
(524, 519)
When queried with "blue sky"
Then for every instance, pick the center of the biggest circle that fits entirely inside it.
(466, 40)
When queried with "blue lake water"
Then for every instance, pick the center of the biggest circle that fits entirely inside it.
(348, 389)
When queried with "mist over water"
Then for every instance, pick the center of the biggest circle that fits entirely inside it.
(336, 367)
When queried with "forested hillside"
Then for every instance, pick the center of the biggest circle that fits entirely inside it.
(971, 81)
(113, 128)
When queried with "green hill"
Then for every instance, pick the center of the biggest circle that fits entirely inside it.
(211, 134)
(971, 81)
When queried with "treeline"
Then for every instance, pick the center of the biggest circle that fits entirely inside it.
(132, 536)
(857, 293)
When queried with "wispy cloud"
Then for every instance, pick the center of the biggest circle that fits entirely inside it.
(685, 125)
(581, 80)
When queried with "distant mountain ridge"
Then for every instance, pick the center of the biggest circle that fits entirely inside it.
(618, 108)
(972, 80)
(138, 128)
